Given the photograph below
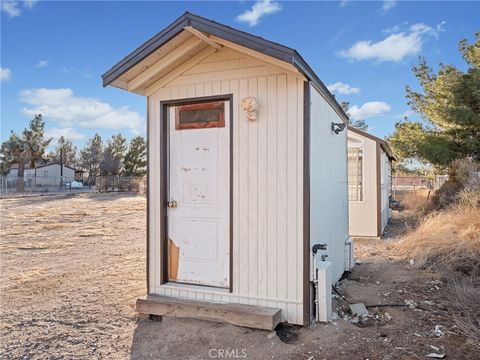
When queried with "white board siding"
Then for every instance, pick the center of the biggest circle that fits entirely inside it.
(328, 183)
(363, 214)
(267, 181)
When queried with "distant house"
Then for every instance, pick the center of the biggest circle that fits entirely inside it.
(45, 175)
(14, 171)
(369, 183)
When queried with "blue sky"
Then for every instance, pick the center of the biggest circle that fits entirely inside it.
(53, 54)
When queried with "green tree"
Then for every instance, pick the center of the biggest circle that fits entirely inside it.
(34, 135)
(15, 151)
(113, 156)
(91, 157)
(449, 105)
(135, 163)
(359, 124)
(28, 147)
(65, 149)
(4, 166)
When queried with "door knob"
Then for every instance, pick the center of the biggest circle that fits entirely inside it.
(172, 204)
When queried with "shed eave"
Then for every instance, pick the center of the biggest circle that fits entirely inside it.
(256, 43)
(383, 144)
(144, 50)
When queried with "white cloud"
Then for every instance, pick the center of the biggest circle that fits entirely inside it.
(393, 48)
(13, 9)
(28, 4)
(388, 4)
(392, 30)
(259, 10)
(68, 110)
(84, 73)
(440, 27)
(369, 110)
(68, 133)
(5, 74)
(42, 63)
(342, 88)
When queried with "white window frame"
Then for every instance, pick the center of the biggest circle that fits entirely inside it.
(360, 146)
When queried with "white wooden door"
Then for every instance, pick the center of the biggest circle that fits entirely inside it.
(199, 196)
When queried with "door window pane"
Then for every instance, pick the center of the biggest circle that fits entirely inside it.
(201, 115)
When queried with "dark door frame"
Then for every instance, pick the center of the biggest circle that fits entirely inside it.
(164, 146)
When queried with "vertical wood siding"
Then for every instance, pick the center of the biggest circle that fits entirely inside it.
(267, 181)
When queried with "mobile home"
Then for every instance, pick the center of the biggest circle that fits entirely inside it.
(369, 183)
(247, 177)
(51, 174)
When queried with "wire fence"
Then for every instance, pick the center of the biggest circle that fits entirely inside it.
(35, 185)
(121, 184)
(414, 183)
(411, 183)
(11, 186)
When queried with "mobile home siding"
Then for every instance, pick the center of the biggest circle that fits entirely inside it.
(267, 181)
(363, 214)
(328, 183)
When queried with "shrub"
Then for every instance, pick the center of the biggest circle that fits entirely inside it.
(460, 177)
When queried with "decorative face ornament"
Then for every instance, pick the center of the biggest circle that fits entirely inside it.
(250, 106)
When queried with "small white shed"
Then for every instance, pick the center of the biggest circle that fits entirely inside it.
(369, 183)
(245, 176)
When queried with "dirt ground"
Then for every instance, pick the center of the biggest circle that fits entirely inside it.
(73, 266)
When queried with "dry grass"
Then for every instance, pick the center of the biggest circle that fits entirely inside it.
(448, 242)
(413, 200)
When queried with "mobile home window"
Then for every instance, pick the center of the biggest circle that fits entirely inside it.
(355, 172)
(200, 115)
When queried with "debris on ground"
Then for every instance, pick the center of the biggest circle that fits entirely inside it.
(436, 356)
(271, 334)
(411, 304)
(333, 316)
(438, 332)
(358, 309)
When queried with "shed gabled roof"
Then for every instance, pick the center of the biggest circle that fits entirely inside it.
(383, 144)
(256, 43)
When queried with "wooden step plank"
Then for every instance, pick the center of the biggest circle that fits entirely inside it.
(257, 317)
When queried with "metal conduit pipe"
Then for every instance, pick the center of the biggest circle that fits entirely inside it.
(314, 275)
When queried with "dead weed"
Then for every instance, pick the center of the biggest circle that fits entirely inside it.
(448, 242)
